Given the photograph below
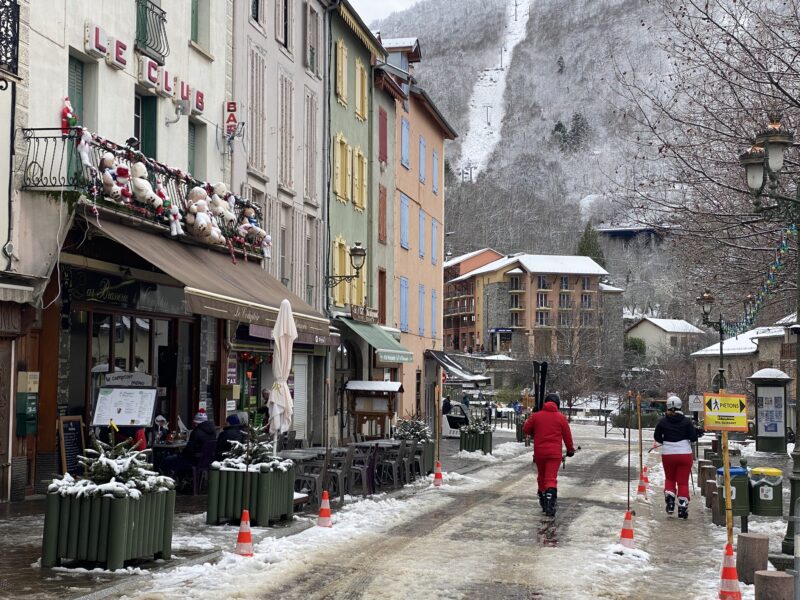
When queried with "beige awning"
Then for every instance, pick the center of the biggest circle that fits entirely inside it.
(215, 286)
(22, 294)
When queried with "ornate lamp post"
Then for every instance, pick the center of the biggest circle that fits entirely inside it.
(358, 254)
(763, 164)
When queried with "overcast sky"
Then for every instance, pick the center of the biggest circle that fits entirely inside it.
(370, 10)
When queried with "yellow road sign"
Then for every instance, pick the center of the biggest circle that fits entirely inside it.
(725, 412)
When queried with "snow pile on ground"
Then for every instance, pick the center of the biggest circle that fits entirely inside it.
(509, 449)
(475, 456)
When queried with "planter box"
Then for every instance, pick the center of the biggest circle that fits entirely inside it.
(107, 529)
(472, 442)
(271, 496)
(428, 457)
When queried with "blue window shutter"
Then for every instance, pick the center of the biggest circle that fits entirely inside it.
(405, 134)
(404, 221)
(422, 159)
(435, 174)
(433, 313)
(421, 233)
(434, 240)
(421, 309)
(403, 304)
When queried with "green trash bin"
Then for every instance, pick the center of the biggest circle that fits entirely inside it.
(766, 492)
(740, 491)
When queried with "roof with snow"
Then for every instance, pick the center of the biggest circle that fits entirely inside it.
(769, 373)
(670, 325)
(743, 344)
(788, 320)
(409, 44)
(541, 263)
(459, 259)
(604, 287)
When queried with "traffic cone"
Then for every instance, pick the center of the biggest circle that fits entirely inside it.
(728, 579)
(644, 477)
(437, 476)
(244, 543)
(641, 491)
(626, 536)
(324, 519)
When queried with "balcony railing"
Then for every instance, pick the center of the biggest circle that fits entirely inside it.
(151, 31)
(56, 161)
(9, 37)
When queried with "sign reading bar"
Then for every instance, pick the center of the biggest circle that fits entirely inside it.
(725, 412)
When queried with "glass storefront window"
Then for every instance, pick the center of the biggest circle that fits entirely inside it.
(78, 339)
(122, 344)
(142, 346)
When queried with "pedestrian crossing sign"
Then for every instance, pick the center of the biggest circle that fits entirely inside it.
(725, 412)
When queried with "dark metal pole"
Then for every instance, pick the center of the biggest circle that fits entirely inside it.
(788, 546)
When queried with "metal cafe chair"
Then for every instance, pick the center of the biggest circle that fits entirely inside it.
(362, 468)
(339, 472)
(392, 461)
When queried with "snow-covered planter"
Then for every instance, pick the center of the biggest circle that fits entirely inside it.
(119, 510)
(476, 436)
(413, 429)
(250, 469)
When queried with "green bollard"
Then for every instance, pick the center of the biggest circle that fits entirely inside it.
(224, 513)
(50, 557)
(63, 526)
(262, 485)
(118, 530)
(238, 492)
(74, 522)
(166, 524)
(94, 528)
(230, 509)
(102, 541)
(213, 496)
(83, 527)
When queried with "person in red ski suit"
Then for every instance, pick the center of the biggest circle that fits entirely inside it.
(548, 428)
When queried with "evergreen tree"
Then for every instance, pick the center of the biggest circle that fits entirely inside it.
(412, 429)
(589, 245)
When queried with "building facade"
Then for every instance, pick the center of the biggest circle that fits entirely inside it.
(666, 337)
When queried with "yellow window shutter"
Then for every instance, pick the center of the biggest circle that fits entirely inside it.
(337, 166)
(349, 178)
(356, 177)
(364, 92)
(358, 87)
(364, 187)
(344, 72)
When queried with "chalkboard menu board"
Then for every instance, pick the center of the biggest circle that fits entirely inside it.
(125, 406)
(70, 435)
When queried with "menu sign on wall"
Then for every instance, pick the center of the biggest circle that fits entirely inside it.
(125, 406)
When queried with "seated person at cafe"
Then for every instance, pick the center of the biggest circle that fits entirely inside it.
(233, 432)
(181, 464)
(134, 433)
(160, 429)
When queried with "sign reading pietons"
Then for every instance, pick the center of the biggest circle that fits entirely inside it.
(725, 412)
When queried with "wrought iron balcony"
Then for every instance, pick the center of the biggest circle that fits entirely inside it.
(59, 161)
(9, 38)
(151, 31)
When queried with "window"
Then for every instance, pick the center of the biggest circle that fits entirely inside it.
(360, 179)
(341, 72)
(285, 131)
(382, 296)
(340, 264)
(564, 282)
(434, 241)
(434, 314)
(673, 341)
(515, 320)
(585, 283)
(382, 230)
(192, 161)
(422, 159)
(201, 17)
(310, 179)
(309, 274)
(404, 200)
(405, 134)
(313, 29)
(515, 302)
(586, 301)
(435, 172)
(404, 304)
(542, 318)
(145, 111)
(256, 110)
(543, 283)
(421, 309)
(284, 16)
(383, 133)
(362, 90)
(283, 264)
(541, 300)
(255, 10)
(587, 319)
(564, 300)
(421, 233)
(565, 319)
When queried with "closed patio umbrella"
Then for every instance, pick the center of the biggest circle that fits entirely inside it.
(280, 400)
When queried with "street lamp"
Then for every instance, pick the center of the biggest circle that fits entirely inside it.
(358, 254)
(706, 303)
(763, 163)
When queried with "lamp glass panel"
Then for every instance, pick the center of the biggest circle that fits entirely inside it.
(775, 156)
(755, 176)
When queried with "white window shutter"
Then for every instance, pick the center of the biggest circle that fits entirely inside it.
(280, 7)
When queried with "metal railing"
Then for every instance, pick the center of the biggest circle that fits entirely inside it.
(9, 36)
(57, 161)
(151, 31)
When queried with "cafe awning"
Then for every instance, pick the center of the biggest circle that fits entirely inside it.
(216, 287)
(456, 374)
(374, 386)
(387, 349)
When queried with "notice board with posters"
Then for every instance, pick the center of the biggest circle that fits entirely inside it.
(126, 406)
(770, 413)
(725, 412)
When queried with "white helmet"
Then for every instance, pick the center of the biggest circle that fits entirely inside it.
(674, 402)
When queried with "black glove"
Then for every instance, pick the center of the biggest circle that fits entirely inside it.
(570, 453)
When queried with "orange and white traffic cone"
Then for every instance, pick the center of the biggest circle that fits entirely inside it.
(728, 579)
(244, 543)
(324, 519)
(626, 536)
(644, 477)
(437, 476)
(641, 491)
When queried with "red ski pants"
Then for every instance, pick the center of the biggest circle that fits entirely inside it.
(676, 473)
(547, 472)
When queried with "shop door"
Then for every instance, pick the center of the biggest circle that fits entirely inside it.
(6, 407)
(300, 396)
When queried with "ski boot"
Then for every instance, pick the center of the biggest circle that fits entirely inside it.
(683, 508)
(669, 498)
(542, 501)
(550, 498)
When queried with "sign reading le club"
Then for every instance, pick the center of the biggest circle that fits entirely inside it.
(725, 412)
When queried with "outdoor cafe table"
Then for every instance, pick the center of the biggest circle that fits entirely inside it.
(372, 478)
(162, 449)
